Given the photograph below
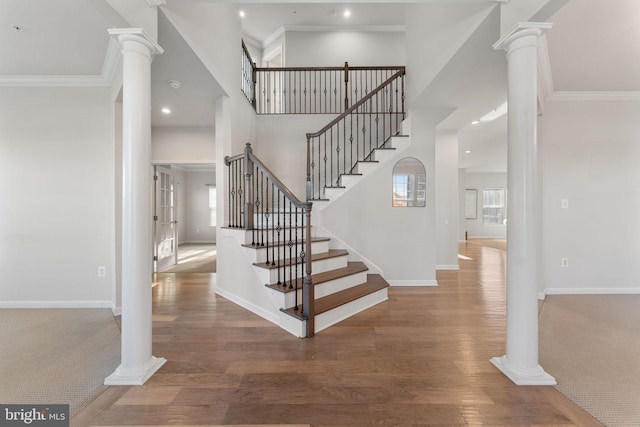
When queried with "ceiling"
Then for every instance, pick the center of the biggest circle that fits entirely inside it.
(594, 47)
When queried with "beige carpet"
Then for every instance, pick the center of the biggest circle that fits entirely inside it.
(591, 345)
(56, 355)
(194, 258)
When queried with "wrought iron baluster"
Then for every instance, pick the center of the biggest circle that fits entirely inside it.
(273, 221)
(325, 159)
(256, 236)
(266, 218)
(261, 205)
(295, 260)
(280, 249)
(290, 260)
(303, 253)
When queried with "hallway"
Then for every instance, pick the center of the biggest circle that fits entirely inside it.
(422, 358)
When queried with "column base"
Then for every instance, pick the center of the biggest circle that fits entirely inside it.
(523, 376)
(122, 376)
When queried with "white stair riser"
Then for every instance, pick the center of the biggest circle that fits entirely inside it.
(338, 314)
(292, 325)
(270, 276)
(260, 254)
(398, 142)
(246, 237)
(365, 167)
(332, 193)
(282, 218)
(340, 284)
(348, 180)
(288, 300)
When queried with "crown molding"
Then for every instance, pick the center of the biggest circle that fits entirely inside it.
(54, 81)
(111, 60)
(345, 28)
(544, 67)
(562, 95)
(251, 41)
(273, 37)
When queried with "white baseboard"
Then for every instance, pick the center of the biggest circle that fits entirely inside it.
(265, 314)
(541, 296)
(117, 311)
(56, 304)
(488, 237)
(198, 242)
(447, 267)
(413, 282)
(591, 291)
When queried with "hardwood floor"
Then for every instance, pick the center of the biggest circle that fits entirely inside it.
(422, 358)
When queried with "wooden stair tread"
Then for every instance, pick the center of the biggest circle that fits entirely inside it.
(332, 253)
(374, 283)
(313, 239)
(351, 268)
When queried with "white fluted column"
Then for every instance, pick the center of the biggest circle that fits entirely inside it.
(520, 363)
(137, 363)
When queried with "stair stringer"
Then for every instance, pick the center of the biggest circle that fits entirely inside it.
(336, 242)
(381, 156)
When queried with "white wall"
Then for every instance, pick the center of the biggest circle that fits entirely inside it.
(189, 144)
(332, 49)
(57, 222)
(590, 157)
(195, 198)
(447, 200)
(434, 33)
(474, 227)
(400, 241)
(282, 146)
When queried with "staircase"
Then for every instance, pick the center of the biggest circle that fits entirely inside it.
(308, 279)
(341, 287)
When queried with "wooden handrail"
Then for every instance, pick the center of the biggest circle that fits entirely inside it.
(374, 68)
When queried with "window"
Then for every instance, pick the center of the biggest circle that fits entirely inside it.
(409, 186)
(493, 206)
(212, 205)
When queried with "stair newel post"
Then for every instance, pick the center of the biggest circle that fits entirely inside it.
(309, 188)
(402, 80)
(248, 169)
(308, 293)
(346, 86)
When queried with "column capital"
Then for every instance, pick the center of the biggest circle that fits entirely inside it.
(123, 35)
(521, 30)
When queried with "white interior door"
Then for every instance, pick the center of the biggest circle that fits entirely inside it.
(165, 221)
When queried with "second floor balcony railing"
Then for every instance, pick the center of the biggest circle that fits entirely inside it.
(309, 90)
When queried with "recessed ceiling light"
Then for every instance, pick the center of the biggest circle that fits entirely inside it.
(166, 110)
(467, 152)
(17, 28)
(174, 84)
(475, 122)
(242, 14)
(347, 13)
